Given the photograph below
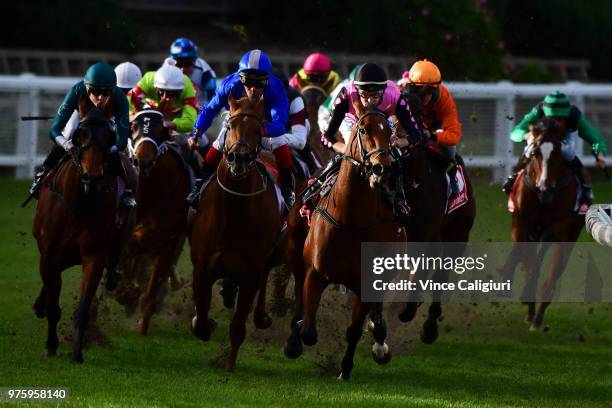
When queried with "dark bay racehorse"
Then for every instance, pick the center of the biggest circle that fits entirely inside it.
(314, 96)
(75, 223)
(426, 193)
(544, 212)
(236, 230)
(353, 212)
(161, 218)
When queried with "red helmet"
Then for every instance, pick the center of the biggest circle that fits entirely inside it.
(317, 63)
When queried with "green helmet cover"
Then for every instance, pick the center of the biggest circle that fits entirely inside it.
(556, 104)
(101, 74)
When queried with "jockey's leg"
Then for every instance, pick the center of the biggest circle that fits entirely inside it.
(50, 162)
(569, 155)
(284, 161)
(451, 170)
(307, 155)
(116, 168)
(520, 165)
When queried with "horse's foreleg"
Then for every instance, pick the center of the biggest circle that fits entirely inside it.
(532, 261)
(261, 318)
(380, 350)
(93, 266)
(246, 295)
(314, 286)
(559, 263)
(47, 303)
(159, 274)
(201, 324)
(293, 346)
(353, 334)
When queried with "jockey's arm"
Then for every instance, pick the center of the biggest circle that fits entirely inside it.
(279, 108)
(122, 118)
(446, 110)
(592, 136)
(341, 108)
(517, 134)
(186, 120)
(407, 120)
(212, 108)
(297, 120)
(68, 106)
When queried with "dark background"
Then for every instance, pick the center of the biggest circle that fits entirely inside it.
(469, 38)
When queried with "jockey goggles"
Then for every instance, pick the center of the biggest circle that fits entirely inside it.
(169, 93)
(251, 82)
(421, 90)
(370, 94)
(98, 90)
(317, 78)
(185, 62)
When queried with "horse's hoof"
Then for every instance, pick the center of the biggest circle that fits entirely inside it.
(293, 349)
(534, 327)
(39, 309)
(77, 358)
(143, 327)
(309, 338)
(51, 352)
(529, 319)
(343, 376)
(429, 331)
(409, 313)
(381, 354)
(200, 332)
(263, 322)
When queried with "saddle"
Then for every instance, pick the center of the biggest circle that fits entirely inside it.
(319, 187)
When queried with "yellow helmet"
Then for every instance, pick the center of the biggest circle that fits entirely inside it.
(424, 73)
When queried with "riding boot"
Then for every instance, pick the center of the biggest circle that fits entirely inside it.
(584, 179)
(287, 186)
(194, 196)
(509, 183)
(50, 162)
(401, 210)
(307, 156)
(452, 175)
(127, 199)
(311, 194)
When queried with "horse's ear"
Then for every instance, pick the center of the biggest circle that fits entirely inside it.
(233, 103)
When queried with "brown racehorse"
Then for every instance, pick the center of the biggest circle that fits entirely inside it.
(545, 199)
(353, 212)
(314, 96)
(75, 223)
(425, 189)
(236, 230)
(161, 218)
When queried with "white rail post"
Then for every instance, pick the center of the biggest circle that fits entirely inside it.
(504, 122)
(28, 104)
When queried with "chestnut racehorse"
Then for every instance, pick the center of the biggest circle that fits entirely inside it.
(353, 212)
(544, 212)
(75, 223)
(164, 180)
(236, 232)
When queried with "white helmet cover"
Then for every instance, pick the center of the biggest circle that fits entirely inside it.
(128, 75)
(169, 77)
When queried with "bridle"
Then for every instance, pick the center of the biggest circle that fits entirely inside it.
(365, 166)
(159, 146)
(230, 157)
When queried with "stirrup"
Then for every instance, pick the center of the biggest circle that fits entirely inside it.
(194, 196)
(127, 199)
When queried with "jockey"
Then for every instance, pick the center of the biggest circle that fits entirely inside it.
(253, 80)
(440, 117)
(298, 126)
(171, 92)
(370, 87)
(97, 89)
(316, 71)
(128, 75)
(557, 106)
(325, 110)
(184, 53)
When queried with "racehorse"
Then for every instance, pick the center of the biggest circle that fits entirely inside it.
(314, 96)
(425, 187)
(76, 223)
(544, 198)
(353, 212)
(164, 180)
(236, 231)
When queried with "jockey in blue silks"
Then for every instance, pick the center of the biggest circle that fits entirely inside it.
(254, 80)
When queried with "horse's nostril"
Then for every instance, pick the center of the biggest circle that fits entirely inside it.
(378, 170)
